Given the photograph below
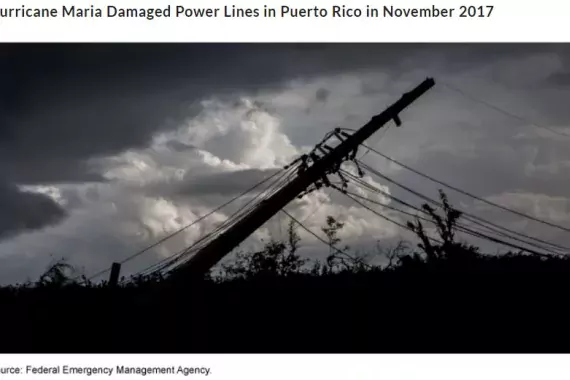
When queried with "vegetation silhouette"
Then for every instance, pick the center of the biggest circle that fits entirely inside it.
(443, 295)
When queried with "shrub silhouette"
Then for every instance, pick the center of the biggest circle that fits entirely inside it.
(276, 259)
(446, 225)
(57, 275)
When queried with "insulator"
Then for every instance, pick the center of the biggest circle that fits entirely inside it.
(339, 136)
(326, 181)
(360, 171)
(353, 154)
(397, 120)
(343, 179)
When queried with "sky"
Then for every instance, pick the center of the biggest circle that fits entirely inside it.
(104, 149)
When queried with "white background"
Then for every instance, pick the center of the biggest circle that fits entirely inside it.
(511, 21)
(325, 367)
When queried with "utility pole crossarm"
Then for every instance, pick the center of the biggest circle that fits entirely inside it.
(212, 253)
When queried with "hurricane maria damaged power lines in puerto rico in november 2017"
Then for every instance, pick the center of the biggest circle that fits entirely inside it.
(284, 11)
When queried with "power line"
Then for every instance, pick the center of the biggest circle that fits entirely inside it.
(502, 111)
(313, 233)
(244, 210)
(472, 218)
(158, 266)
(384, 216)
(460, 226)
(232, 219)
(351, 194)
(383, 133)
(463, 229)
(146, 249)
(519, 213)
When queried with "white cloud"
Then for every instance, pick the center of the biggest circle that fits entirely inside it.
(136, 206)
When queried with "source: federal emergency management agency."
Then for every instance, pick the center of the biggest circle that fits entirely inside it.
(109, 371)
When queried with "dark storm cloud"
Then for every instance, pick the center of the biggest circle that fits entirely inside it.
(65, 103)
(25, 211)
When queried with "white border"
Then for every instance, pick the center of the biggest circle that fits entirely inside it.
(511, 21)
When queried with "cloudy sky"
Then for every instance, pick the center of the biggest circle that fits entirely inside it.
(106, 148)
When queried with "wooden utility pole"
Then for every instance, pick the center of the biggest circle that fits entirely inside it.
(212, 253)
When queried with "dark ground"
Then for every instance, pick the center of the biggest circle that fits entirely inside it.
(510, 304)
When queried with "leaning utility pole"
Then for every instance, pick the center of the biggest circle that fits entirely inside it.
(212, 253)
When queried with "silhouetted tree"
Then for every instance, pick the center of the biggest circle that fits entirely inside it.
(445, 246)
(275, 259)
(331, 231)
(393, 254)
(339, 259)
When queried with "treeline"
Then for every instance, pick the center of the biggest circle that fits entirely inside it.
(442, 295)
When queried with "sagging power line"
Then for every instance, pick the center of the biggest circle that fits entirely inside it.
(460, 226)
(178, 258)
(466, 215)
(464, 192)
(502, 110)
(283, 172)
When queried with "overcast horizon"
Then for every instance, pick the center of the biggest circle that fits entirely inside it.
(104, 149)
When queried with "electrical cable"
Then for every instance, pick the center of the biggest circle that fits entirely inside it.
(146, 249)
(230, 221)
(312, 233)
(473, 219)
(501, 110)
(466, 229)
(372, 170)
(476, 234)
